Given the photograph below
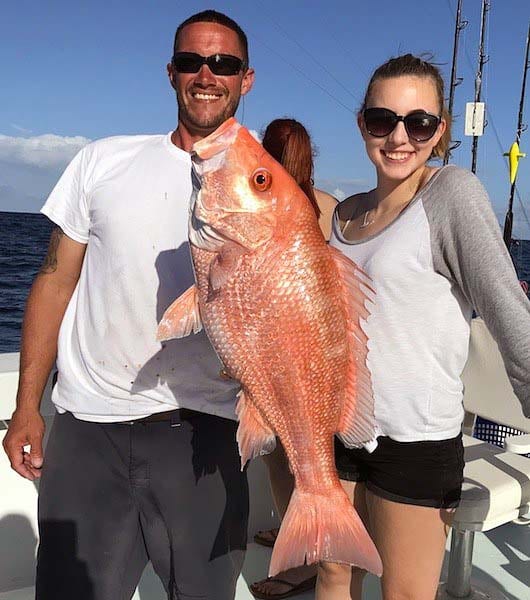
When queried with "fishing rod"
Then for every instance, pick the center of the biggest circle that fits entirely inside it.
(515, 154)
(459, 25)
(482, 60)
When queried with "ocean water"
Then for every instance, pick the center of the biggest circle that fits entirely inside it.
(23, 244)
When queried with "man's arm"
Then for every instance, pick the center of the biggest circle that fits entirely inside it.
(45, 308)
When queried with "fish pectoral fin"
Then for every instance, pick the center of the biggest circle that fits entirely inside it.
(182, 317)
(357, 420)
(254, 436)
(224, 265)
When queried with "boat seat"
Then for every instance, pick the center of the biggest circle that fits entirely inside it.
(496, 488)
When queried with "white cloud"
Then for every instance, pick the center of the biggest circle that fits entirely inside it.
(30, 167)
(43, 151)
(21, 129)
(345, 182)
(341, 187)
(339, 194)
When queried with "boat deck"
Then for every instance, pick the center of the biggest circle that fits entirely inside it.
(501, 568)
(501, 559)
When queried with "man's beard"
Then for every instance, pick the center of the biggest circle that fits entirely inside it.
(207, 122)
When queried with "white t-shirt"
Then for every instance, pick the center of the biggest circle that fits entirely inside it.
(127, 198)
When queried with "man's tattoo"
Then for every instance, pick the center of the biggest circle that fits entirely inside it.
(50, 262)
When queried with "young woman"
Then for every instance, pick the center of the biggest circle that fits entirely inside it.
(432, 246)
(289, 143)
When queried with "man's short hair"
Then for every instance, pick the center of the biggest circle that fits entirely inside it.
(212, 16)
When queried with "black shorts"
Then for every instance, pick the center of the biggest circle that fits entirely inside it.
(428, 473)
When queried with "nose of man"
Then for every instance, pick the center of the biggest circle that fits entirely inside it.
(205, 77)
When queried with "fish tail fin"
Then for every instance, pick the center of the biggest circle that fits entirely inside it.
(323, 528)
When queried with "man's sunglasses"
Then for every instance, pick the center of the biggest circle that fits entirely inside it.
(219, 64)
(419, 125)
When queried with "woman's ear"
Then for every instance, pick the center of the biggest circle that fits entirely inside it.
(360, 123)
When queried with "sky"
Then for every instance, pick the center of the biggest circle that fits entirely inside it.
(73, 72)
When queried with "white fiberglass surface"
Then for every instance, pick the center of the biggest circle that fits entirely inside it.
(501, 562)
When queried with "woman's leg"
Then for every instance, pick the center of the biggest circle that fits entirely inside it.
(281, 478)
(282, 483)
(342, 582)
(411, 541)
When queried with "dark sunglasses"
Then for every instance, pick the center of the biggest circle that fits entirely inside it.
(219, 64)
(419, 125)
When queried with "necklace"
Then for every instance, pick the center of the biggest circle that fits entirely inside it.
(366, 222)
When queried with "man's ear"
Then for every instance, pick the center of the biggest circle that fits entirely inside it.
(247, 82)
(171, 75)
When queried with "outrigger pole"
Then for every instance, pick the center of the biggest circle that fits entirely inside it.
(459, 25)
(515, 154)
(482, 60)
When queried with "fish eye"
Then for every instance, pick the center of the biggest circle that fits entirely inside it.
(262, 180)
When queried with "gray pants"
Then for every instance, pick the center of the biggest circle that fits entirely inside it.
(113, 496)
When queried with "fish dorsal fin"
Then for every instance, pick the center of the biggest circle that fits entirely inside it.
(182, 317)
(254, 436)
(357, 421)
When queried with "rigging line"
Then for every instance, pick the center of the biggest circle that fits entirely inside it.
(315, 60)
(492, 123)
(304, 75)
(521, 206)
(507, 165)
(451, 10)
(489, 113)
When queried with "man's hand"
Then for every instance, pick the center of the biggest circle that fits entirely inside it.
(26, 429)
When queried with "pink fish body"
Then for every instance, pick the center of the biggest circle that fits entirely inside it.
(282, 309)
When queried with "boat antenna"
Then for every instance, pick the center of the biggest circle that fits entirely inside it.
(482, 60)
(515, 154)
(459, 25)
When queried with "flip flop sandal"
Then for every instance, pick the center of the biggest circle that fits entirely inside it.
(266, 537)
(294, 588)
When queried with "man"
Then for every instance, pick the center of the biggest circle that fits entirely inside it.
(141, 463)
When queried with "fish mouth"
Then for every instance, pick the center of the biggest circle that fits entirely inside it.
(208, 154)
(201, 233)
(218, 141)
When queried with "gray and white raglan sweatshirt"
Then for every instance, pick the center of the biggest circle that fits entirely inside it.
(441, 258)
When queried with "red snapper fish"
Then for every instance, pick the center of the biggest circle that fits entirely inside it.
(282, 310)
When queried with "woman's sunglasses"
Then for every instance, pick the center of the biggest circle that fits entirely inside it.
(419, 125)
(219, 64)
